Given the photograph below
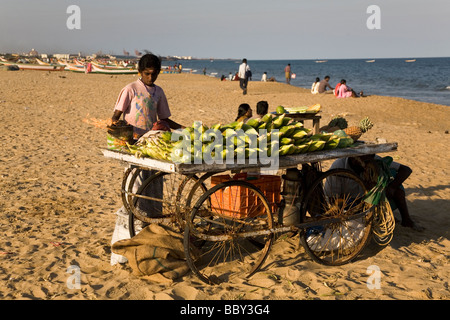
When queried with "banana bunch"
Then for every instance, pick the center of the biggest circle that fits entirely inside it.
(271, 135)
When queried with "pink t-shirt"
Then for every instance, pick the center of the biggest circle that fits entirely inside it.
(142, 105)
(344, 92)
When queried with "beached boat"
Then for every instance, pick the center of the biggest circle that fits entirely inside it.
(42, 63)
(74, 67)
(96, 69)
(106, 66)
(78, 63)
(32, 66)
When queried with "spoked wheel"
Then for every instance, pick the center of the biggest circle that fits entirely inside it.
(228, 232)
(340, 220)
(160, 199)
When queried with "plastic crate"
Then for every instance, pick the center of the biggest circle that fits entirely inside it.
(237, 203)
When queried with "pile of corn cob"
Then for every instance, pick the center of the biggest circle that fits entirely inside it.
(271, 135)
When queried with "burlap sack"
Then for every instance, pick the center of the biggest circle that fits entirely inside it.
(156, 249)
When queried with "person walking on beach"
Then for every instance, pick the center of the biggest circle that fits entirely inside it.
(288, 73)
(324, 84)
(244, 73)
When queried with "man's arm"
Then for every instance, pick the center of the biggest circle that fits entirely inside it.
(173, 124)
(403, 173)
(116, 116)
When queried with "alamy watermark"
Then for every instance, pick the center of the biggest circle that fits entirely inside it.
(74, 20)
(374, 20)
(74, 280)
(374, 280)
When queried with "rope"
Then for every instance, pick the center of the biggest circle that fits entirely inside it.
(383, 223)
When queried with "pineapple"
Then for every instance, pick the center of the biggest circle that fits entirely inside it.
(355, 132)
(338, 121)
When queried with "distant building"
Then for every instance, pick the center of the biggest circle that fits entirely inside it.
(61, 56)
(33, 53)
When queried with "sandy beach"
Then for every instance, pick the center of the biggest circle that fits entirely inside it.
(59, 194)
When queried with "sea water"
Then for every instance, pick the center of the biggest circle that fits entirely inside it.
(425, 79)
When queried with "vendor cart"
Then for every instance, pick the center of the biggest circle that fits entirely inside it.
(229, 224)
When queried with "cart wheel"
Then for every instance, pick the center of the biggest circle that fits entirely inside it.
(228, 232)
(161, 199)
(128, 181)
(335, 202)
(188, 193)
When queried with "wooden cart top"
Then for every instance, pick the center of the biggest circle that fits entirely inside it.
(289, 161)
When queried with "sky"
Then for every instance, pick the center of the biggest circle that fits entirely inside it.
(254, 29)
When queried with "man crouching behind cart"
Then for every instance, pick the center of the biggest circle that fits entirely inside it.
(144, 106)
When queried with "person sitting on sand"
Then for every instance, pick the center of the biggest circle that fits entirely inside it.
(344, 91)
(142, 102)
(323, 85)
(395, 193)
(244, 112)
(315, 86)
(262, 108)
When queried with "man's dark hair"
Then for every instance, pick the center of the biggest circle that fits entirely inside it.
(149, 60)
(262, 107)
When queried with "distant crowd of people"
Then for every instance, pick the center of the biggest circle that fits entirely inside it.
(244, 74)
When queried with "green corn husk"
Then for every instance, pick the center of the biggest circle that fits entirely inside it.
(286, 120)
(267, 118)
(166, 136)
(263, 125)
(286, 149)
(304, 147)
(239, 125)
(285, 141)
(287, 131)
(254, 123)
(251, 131)
(297, 124)
(301, 141)
(321, 136)
(316, 145)
(299, 134)
(278, 121)
(293, 149)
(332, 144)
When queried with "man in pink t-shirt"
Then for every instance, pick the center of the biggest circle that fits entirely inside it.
(142, 102)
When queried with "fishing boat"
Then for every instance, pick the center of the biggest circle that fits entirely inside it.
(74, 67)
(42, 63)
(370, 61)
(321, 61)
(410, 60)
(33, 66)
(96, 69)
